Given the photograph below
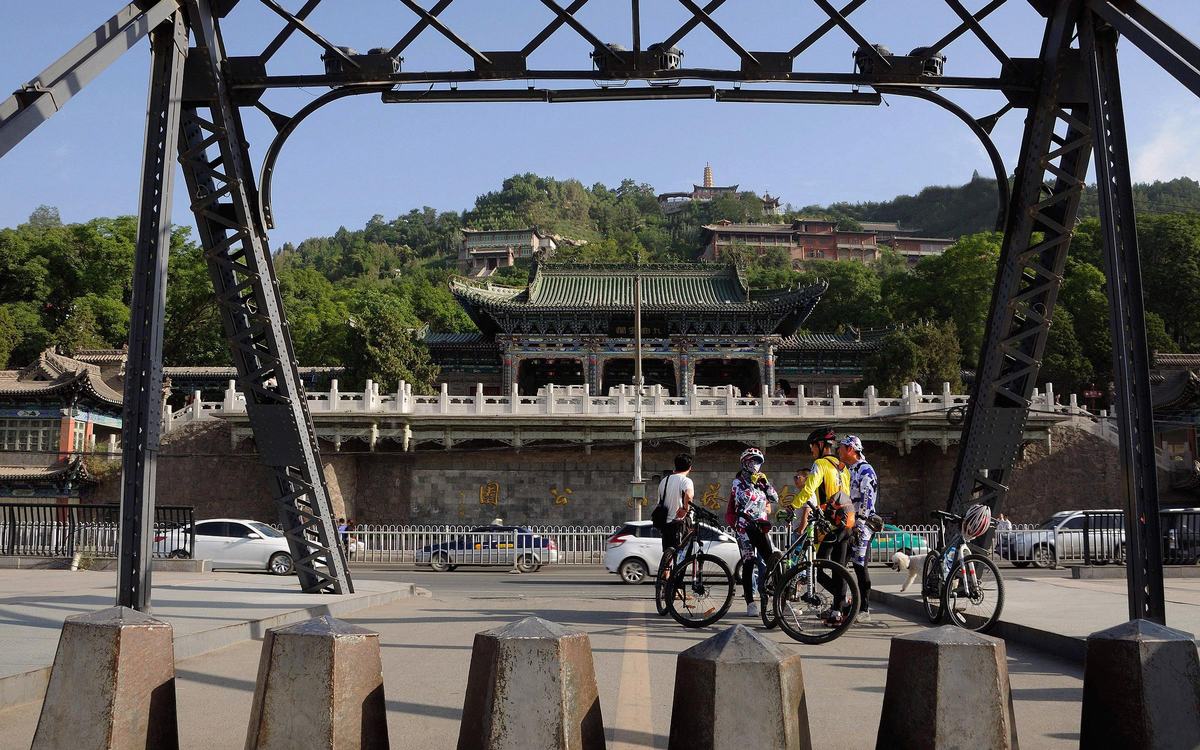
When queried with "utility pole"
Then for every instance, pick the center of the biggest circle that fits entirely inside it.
(638, 492)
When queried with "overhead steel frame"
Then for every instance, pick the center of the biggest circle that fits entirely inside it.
(1072, 96)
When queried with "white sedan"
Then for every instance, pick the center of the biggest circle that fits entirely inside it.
(636, 549)
(241, 544)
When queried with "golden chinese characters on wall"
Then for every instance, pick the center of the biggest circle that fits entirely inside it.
(489, 494)
(711, 498)
(561, 498)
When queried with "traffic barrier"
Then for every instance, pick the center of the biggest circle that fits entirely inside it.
(112, 685)
(1141, 688)
(320, 687)
(531, 685)
(947, 688)
(738, 689)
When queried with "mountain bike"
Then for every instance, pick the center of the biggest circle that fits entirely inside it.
(804, 606)
(959, 584)
(698, 588)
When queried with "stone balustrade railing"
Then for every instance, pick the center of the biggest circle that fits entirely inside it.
(575, 401)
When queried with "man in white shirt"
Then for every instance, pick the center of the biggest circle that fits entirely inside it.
(675, 492)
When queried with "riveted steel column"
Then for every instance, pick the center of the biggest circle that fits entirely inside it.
(141, 420)
(1131, 362)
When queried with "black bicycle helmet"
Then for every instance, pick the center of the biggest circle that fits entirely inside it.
(824, 435)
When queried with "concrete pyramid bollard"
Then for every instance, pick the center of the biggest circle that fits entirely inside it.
(947, 688)
(1141, 688)
(532, 686)
(112, 685)
(738, 689)
(320, 687)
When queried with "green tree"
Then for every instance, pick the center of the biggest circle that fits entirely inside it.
(383, 345)
(79, 330)
(1064, 363)
(926, 353)
(194, 333)
(854, 296)
(956, 286)
(1084, 297)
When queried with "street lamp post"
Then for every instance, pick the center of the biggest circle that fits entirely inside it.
(638, 489)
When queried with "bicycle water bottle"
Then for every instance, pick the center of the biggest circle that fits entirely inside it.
(948, 561)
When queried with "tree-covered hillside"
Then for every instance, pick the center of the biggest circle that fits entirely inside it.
(358, 296)
(953, 211)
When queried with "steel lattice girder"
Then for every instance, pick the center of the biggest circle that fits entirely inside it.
(1057, 143)
(216, 167)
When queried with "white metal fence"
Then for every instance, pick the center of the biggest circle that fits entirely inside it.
(550, 545)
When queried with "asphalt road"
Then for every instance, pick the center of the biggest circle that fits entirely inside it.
(574, 581)
(426, 647)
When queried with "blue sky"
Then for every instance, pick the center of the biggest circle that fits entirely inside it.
(357, 158)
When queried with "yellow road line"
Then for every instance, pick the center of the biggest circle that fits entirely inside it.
(633, 696)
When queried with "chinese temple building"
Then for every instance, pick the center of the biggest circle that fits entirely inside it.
(52, 412)
(573, 325)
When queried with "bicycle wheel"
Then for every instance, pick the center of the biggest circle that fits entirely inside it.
(931, 587)
(803, 606)
(974, 594)
(766, 596)
(699, 591)
(660, 585)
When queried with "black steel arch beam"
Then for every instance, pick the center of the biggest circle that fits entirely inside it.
(1004, 193)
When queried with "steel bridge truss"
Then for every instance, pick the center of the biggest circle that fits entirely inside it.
(1070, 93)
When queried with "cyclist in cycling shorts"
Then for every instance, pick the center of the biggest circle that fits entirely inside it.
(828, 485)
(864, 492)
(750, 498)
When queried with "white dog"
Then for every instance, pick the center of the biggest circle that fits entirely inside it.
(912, 565)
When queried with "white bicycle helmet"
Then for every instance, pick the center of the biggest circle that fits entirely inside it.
(753, 453)
(976, 521)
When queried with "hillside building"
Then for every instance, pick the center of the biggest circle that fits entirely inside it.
(802, 240)
(483, 251)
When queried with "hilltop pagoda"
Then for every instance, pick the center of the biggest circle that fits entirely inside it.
(573, 325)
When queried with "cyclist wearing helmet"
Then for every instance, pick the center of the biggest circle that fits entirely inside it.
(828, 486)
(864, 491)
(750, 498)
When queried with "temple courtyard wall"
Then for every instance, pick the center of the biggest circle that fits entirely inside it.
(568, 485)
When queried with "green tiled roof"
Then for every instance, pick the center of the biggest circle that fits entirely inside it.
(694, 291)
(662, 285)
(863, 341)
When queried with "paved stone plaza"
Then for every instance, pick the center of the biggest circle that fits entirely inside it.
(426, 644)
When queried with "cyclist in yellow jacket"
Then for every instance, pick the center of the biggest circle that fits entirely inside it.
(828, 486)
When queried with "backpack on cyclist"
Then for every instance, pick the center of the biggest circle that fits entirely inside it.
(838, 507)
(658, 516)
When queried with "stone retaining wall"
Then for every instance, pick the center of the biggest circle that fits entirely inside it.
(553, 485)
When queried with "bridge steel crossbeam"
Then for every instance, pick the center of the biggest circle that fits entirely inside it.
(1131, 363)
(1055, 147)
(141, 419)
(217, 170)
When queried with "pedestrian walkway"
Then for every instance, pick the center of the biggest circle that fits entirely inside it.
(1057, 614)
(426, 647)
(207, 610)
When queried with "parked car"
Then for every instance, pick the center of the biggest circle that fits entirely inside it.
(1061, 538)
(235, 543)
(512, 546)
(893, 539)
(636, 549)
(1180, 528)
